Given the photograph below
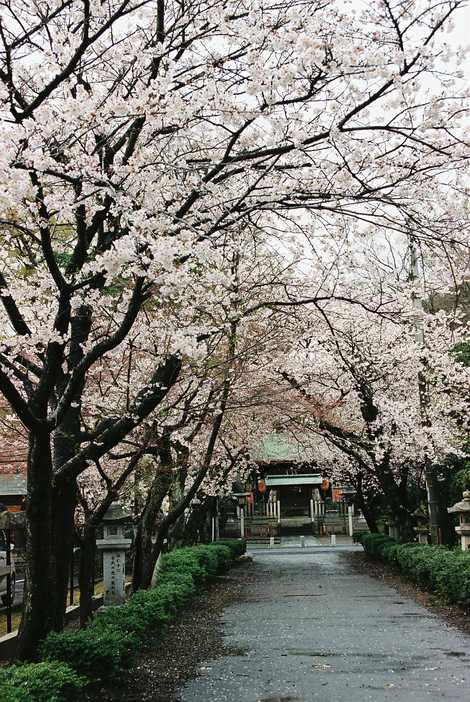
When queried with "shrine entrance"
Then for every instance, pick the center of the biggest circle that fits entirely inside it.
(297, 499)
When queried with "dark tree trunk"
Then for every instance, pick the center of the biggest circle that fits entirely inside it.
(144, 563)
(38, 606)
(177, 534)
(63, 541)
(86, 573)
(66, 444)
(363, 504)
(397, 500)
(197, 527)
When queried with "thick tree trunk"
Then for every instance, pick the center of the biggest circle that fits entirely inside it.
(176, 533)
(197, 528)
(86, 573)
(144, 564)
(38, 607)
(364, 507)
(63, 541)
(432, 492)
(66, 440)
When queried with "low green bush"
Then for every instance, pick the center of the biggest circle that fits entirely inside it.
(93, 652)
(40, 682)
(215, 558)
(184, 560)
(237, 546)
(435, 568)
(110, 642)
(357, 536)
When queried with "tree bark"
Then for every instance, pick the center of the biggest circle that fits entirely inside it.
(37, 617)
(143, 565)
(364, 507)
(63, 540)
(86, 573)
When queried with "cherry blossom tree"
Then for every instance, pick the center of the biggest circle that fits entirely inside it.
(137, 135)
(364, 376)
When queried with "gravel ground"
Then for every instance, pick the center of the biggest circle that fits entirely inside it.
(194, 637)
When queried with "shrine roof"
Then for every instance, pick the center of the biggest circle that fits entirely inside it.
(299, 479)
(12, 485)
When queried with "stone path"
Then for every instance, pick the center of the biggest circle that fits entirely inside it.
(311, 628)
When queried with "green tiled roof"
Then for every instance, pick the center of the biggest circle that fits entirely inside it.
(277, 447)
(12, 485)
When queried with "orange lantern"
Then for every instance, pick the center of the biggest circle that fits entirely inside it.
(261, 486)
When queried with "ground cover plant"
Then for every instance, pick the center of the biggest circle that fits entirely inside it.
(435, 568)
(72, 660)
(40, 682)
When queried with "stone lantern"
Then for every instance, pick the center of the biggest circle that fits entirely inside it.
(463, 510)
(114, 547)
(422, 528)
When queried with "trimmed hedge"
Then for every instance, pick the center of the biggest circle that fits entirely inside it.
(111, 641)
(435, 568)
(41, 682)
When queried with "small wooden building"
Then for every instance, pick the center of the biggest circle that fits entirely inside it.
(12, 491)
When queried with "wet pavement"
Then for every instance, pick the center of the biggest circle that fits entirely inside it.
(312, 628)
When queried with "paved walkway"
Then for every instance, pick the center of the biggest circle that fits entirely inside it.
(311, 628)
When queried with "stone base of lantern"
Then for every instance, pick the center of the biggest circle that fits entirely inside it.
(464, 533)
(114, 573)
(423, 534)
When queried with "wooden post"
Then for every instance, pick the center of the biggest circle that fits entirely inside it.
(350, 520)
(8, 564)
(312, 514)
(279, 511)
(242, 522)
(72, 564)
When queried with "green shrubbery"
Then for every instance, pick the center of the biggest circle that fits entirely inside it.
(109, 644)
(41, 682)
(435, 568)
(95, 652)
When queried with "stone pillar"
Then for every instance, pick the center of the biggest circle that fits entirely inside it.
(114, 576)
(114, 547)
(350, 520)
(423, 536)
(463, 510)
